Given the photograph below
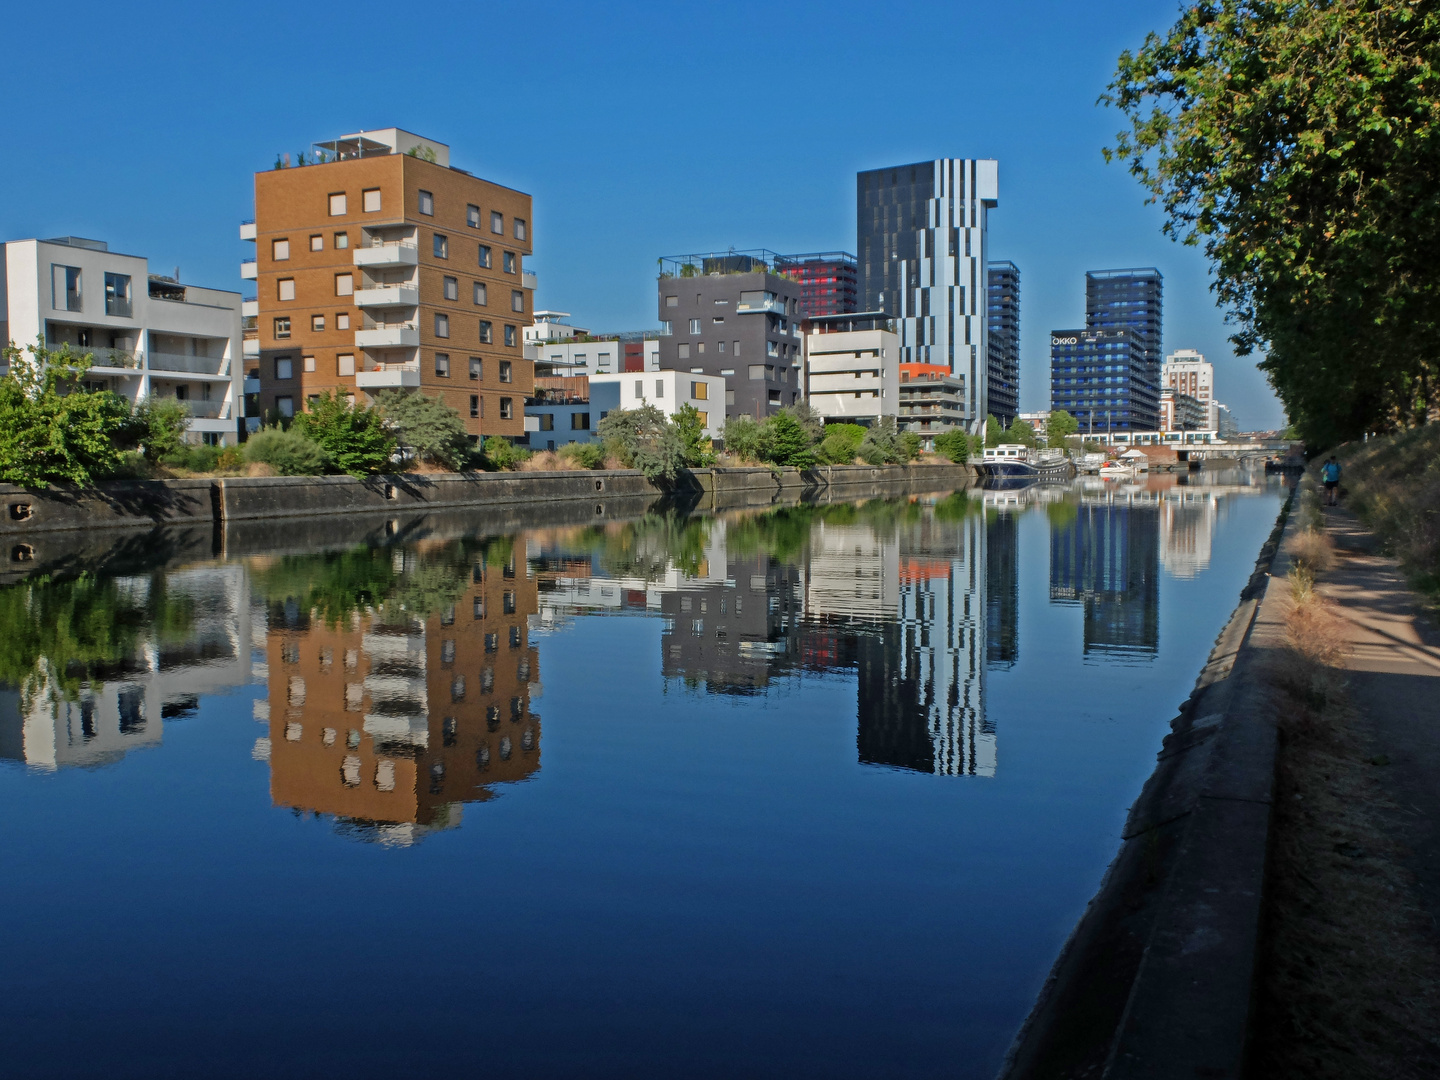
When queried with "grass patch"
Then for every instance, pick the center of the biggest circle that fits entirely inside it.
(1393, 484)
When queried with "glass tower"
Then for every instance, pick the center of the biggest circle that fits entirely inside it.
(1003, 313)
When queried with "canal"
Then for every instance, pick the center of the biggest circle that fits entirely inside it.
(812, 790)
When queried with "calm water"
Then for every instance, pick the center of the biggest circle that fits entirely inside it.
(811, 791)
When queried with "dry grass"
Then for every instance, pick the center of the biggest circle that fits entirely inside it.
(1393, 484)
(1348, 971)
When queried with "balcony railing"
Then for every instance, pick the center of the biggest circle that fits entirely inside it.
(198, 365)
(207, 410)
(110, 358)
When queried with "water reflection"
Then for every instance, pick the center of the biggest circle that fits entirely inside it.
(400, 684)
(400, 681)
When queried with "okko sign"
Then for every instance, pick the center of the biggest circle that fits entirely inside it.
(1064, 340)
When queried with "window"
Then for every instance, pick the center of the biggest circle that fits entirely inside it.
(307, 363)
(284, 367)
(700, 348)
(756, 371)
(342, 321)
(506, 408)
(547, 421)
(736, 350)
(282, 328)
(505, 371)
(280, 250)
(699, 391)
(485, 256)
(694, 326)
(665, 327)
(519, 228)
(472, 216)
(659, 388)
(342, 241)
(509, 264)
(497, 223)
(345, 364)
(514, 644)
(442, 325)
(475, 409)
(442, 246)
(65, 287)
(721, 346)
(451, 289)
(517, 300)
(317, 323)
(370, 200)
(580, 421)
(442, 365)
(486, 332)
(285, 406)
(672, 301)
(684, 350)
(117, 295)
(317, 242)
(337, 204)
(427, 204)
(285, 288)
(476, 367)
(640, 388)
(482, 296)
(344, 284)
(718, 319)
(510, 336)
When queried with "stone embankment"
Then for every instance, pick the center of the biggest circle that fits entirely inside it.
(1156, 979)
(232, 499)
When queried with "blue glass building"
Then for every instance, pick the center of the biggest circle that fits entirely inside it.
(1107, 375)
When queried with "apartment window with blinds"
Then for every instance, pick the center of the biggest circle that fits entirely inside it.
(441, 246)
(337, 204)
(427, 204)
(510, 336)
(280, 250)
(505, 371)
(451, 288)
(284, 367)
(497, 223)
(699, 391)
(442, 325)
(442, 365)
(472, 216)
(580, 421)
(317, 323)
(507, 408)
(519, 228)
(517, 300)
(487, 335)
(317, 242)
(482, 297)
(509, 262)
(476, 367)
(285, 288)
(282, 327)
(484, 257)
(345, 364)
(344, 284)
(475, 406)
(65, 288)
(370, 200)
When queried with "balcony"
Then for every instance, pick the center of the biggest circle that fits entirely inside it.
(249, 270)
(252, 386)
(207, 410)
(194, 365)
(395, 336)
(113, 359)
(252, 348)
(527, 280)
(250, 309)
(388, 253)
(386, 296)
(247, 230)
(384, 376)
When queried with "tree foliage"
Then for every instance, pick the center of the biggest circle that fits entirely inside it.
(52, 429)
(954, 444)
(1060, 426)
(1295, 141)
(644, 439)
(160, 425)
(785, 440)
(353, 436)
(287, 452)
(840, 444)
(427, 427)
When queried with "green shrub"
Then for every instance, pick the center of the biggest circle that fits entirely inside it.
(195, 458)
(784, 441)
(741, 436)
(882, 444)
(841, 443)
(501, 453)
(160, 424)
(698, 450)
(425, 425)
(954, 444)
(288, 452)
(353, 436)
(909, 445)
(582, 455)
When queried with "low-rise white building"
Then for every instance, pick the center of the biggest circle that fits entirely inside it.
(668, 391)
(559, 348)
(852, 369)
(150, 336)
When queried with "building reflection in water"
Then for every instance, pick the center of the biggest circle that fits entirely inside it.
(1106, 558)
(392, 720)
(114, 658)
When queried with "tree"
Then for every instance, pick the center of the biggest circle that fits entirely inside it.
(160, 424)
(993, 431)
(695, 445)
(741, 436)
(426, 426)
(882, 444)
(353, 436)
(287, 452)
(785, 441)
(47, 435)
(1060, 425)
(954, 444)
(840, 444)
(643, 438)
(1020, 431)
(1297, 144)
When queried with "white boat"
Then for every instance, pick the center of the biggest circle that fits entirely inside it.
(1012, 461)
(1113, 467)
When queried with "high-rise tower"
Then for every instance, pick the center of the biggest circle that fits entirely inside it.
(922, 233)
(1003, 310)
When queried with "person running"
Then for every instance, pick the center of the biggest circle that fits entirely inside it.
(1330, 473)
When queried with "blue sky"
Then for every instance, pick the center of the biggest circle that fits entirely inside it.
(641, 130)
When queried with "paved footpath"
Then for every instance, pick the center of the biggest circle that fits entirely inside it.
(1394, 680)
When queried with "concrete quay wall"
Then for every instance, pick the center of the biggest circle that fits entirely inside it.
(186, 502)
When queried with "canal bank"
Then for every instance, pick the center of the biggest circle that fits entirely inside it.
(1157, 977)
(189, 502)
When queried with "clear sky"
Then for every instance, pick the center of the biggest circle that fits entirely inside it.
(641, 130)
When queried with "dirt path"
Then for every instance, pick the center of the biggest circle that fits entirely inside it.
(1394, 680)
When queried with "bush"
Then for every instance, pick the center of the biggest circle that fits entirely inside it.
(160, 424)
(910, 445)
(582, 455)
(882, 444)
(698, 450)
(841, 443)
(742, 437)
(785, 441)
(427, 427)
(288, 452)
(194, 458)
(353, 437)
(647, 441)
(954, 444)
(231, 459)
(501, 453)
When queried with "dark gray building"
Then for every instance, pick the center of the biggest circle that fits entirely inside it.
(922, 232)
(729, 314)
(1003, 311)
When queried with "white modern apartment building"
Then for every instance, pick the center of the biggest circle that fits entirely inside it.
(560, 348)
(1188, 372)
(668, 391)
(150, 336)
(852, 368)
